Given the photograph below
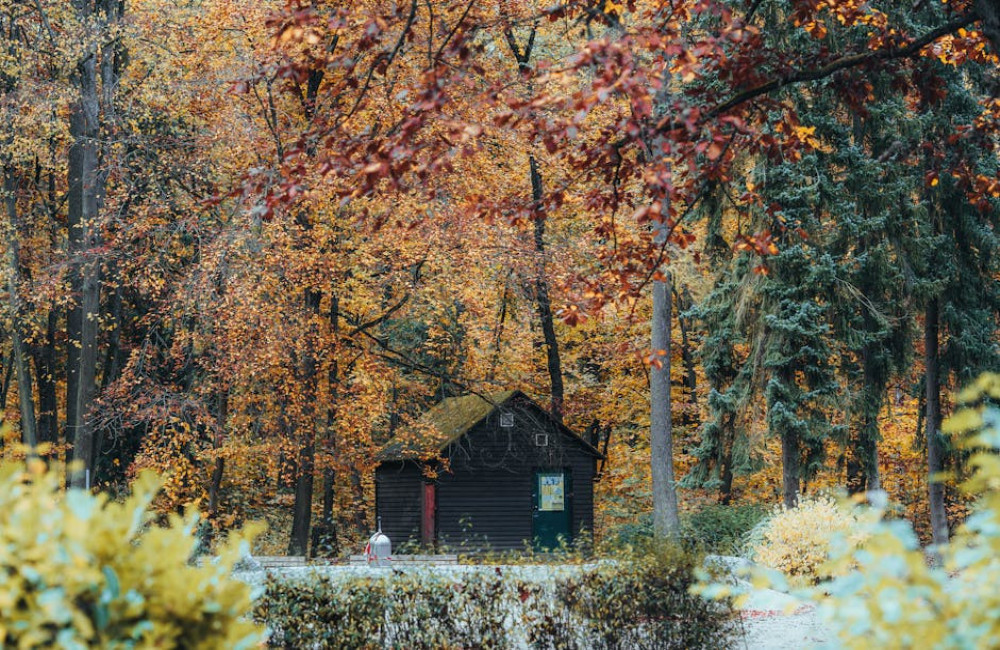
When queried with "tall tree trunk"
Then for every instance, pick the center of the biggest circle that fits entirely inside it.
(874, 387)
(113, 361)
(25, 388)
(791, 471)
(302, 510)
(726, 489)
(333, 377)
(82, 203)
(45, 368)
(666, 521)
(542, 301)
(215, 485)
(543, 304)
(932, 420)
(498, 333)
(790, 468)
(683, 300)
(8, 371)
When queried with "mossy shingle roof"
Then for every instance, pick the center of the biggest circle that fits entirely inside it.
(442, 425)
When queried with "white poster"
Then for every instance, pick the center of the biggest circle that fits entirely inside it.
(551, 489)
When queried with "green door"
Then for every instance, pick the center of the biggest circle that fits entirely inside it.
(551, 513)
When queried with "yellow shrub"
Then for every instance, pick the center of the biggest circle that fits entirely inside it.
(796, 541)
(78, 571)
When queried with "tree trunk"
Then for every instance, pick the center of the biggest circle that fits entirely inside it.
(932, 420)
(683, 300)
(333, 377)
(522, 56)
(498, 333)
(790, 468)
(215, 485)
(113, 361)
(791, 472)
(8, 371)
(874, 388)
(726, 489)
(25, 394)
(45, 369)
(542, 301)
(666, 521)
(302, 510)
(82, 203)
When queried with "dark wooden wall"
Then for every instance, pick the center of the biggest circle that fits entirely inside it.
(485, 502)
(397, 497)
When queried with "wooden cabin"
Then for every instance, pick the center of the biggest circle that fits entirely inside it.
(505, 474)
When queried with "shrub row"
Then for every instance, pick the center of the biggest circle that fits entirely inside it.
(644, 603)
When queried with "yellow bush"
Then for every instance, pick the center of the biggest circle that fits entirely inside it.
(78, 571)
(796, 541)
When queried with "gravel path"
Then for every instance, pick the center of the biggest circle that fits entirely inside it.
(782, 632)
(773, 620)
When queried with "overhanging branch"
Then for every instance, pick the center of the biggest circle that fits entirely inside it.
(843, 63)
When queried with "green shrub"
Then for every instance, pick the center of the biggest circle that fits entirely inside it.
(78, 571)
(642, 603)
(722, 529)
(715, 528)
(634, 533)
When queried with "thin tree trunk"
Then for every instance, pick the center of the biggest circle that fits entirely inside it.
(215, 485)
(8, 371)
(790, 468)
(666, 521)
(683, 300)
(25, 394)
(542, 301)
(45, 369)
(932, 420)
(726, 489)
(302, 510)
(874, 388)
(112, 365)
(543, 304)
(790, 456)
(333, 377)
(498, 333)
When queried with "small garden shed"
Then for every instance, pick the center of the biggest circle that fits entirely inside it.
(505, 473)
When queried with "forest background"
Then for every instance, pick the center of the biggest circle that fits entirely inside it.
(245, 243)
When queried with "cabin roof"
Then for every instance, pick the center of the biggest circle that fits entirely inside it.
(451, 419)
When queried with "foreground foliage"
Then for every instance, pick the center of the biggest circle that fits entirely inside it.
(896, 598)
(78, 571)
(644, 603)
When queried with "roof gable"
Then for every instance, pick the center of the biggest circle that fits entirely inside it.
(451, 419)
